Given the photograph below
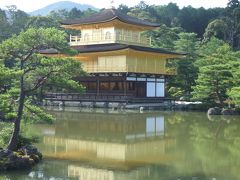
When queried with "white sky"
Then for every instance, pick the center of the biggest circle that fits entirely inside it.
(31, 5)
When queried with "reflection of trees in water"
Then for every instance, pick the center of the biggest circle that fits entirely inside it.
(208, 146)
(50, 170)
(216, 143)
(44, 170)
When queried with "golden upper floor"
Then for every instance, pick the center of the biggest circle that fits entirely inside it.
(122, 58)
(126, 61)
(109, 35)
(109, 26)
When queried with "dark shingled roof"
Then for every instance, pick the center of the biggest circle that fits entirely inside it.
(111, 47)
(116, 46)
(109, 15)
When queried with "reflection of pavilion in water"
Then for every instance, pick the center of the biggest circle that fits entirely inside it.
(92, 173)
(122, 141)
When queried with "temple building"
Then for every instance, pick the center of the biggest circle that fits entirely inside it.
(118, 58)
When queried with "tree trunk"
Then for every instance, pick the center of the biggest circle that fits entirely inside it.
(218, 94)
(14, 139)
(15, 135)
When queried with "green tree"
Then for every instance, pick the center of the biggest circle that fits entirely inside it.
(58, 15)
(4, 28)
(208, 48)
(143, 11)
(123, 8)
(88, 12)
(216, 76)
(234, 92)
(196, 19)
(232, 4)
(75, 13)
(164, 37)
(167, 14)
(7, 77)
(233, 21)
(212, 83)
(226, 27)
(217, 28)
(35, 70)
(186, 70)
(17, 18)
(12, 21)
(187, 42)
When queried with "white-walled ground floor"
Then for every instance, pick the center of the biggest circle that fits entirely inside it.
(132, 85)
(110, 90)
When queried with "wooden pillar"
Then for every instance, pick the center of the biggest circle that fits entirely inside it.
(165, 87)
(125, 87)
(98, 87)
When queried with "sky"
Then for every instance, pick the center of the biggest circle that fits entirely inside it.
(31, 5)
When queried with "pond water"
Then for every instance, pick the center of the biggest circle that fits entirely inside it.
(90, 144)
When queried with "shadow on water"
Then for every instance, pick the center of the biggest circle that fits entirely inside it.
(101, 144)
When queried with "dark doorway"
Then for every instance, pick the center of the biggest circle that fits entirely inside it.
(141, 89)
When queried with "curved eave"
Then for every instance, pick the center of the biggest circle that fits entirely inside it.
(130, 51)
(77, 25)
(116, 49)
(109, 20)
(155, 51)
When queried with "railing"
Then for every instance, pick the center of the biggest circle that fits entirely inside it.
(88, 96)
(126, 68)
(93, 69)
(111, 38)
(105, 97)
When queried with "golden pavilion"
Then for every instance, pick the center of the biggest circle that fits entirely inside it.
(119, 59)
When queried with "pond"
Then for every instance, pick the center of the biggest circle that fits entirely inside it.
(98, 144)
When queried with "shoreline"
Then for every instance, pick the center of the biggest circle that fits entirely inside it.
(175, 105)
(24, 158)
